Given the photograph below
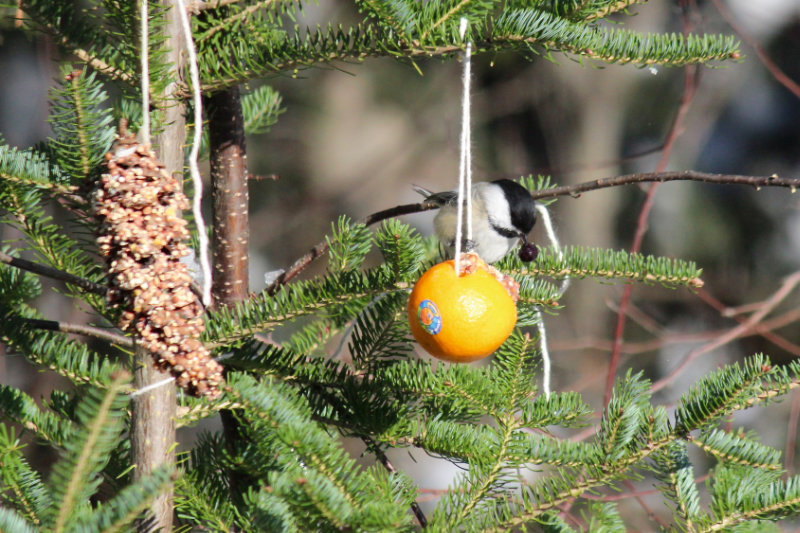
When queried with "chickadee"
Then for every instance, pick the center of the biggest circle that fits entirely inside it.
(503, 212)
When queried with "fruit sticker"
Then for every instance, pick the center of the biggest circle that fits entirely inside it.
(429, 317)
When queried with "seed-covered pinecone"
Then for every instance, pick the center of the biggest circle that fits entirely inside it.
(143, 237)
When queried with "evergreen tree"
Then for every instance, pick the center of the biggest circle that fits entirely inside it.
(280, 464)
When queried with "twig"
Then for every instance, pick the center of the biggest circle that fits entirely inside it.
(633, 348)
(381, 456)
(53, 273)
(791, 433)
(661, 177)
(690, 89)
(322, 247)
(788, 285)
(652, 515)
(764, 329)
(89, 331)
(773, 69)
(195, 8)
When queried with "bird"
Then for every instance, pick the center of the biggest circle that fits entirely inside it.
(503, 213)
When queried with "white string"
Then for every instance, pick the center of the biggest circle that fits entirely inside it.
(464, 166)
(152, 386)
(197, 181)
(546, 363)
(145, 131)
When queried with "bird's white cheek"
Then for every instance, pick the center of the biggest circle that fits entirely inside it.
(491, 246)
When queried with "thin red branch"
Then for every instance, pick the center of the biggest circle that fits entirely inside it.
(773, 69)
(763, 329)
(634, 348)
(791, 434)
(787, 287)
(689, 91)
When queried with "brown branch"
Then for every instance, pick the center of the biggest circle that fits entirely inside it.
(384, 460)
(89, 331)
(634, 348)
(788, 285)
(195, 8)
(567, 190)
(53, 273)
(661, 177)
(322, 247)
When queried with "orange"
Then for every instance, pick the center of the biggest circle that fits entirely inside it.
(460, 318)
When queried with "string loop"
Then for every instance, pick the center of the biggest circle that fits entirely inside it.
(465, 159)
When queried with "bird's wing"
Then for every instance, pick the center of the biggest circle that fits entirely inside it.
(440, 198)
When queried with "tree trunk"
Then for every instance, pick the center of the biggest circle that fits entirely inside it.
(229, 192)
(153, 413)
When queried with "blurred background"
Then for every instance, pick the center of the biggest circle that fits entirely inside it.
(355, 137)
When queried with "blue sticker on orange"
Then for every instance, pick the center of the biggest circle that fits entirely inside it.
(429, 317)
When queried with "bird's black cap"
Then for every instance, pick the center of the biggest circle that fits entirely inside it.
(522, 206)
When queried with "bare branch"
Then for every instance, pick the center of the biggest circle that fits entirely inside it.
(89, 331)
(788, 285)
(661, 177)
(195, 8)
(779, 75)
(53, 273)
(689, 90)
(567, 190)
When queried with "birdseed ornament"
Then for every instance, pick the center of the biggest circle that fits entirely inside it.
(466, 317)
(143, 238)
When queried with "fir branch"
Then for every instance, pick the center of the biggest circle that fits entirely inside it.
(20, 485)
(81, 38)
(577, 262)
(73, 478)
(741, 494)
(228, 22)
(532, 27)
(738, 449)
(30, 168)
(10, 520)
(20, 408)
(119, 513)
(609, 8)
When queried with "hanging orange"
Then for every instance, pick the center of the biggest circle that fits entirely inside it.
(460, 318)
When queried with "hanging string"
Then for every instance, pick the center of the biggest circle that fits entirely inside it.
(145, 52)
(152, 386)
(546, 363)
(197, 181)
(464, 166)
